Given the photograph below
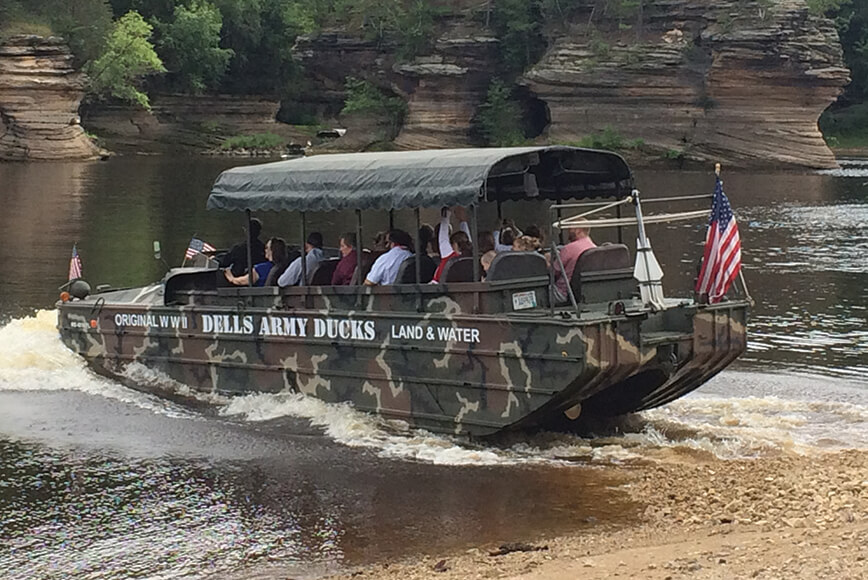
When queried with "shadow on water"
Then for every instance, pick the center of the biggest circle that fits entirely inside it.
(97, 488)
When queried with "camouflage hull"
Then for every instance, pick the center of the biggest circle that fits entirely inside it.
(440, 369)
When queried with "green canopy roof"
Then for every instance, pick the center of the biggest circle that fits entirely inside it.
(410, 179)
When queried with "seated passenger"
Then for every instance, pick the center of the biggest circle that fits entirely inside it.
(426, 239)
(505, 236)
(275, 255)
(454, 246)
(526, 244)
(385, 268)
(485, 241)
(313, 256)
(236, 257)
(346, 267)
(580, 240)
(486, 260)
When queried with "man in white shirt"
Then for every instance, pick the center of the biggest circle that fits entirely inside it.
(313, 256)
(385, 268)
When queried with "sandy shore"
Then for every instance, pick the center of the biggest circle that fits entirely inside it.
(783, 517)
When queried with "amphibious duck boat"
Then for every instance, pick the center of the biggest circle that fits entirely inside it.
(471, 355)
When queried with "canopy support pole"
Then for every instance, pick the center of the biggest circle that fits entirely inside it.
(551, 265)
(359, 245)
(474, 242)
(303, 281)
(418, 248)
(249, 250)
(391, 219)
(359, 248)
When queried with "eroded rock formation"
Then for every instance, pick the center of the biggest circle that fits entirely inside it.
(730, 81)
(741, 82)
(40, 93)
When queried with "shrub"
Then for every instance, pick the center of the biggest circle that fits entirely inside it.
(364, 97)
(500, 117)
(257, 141)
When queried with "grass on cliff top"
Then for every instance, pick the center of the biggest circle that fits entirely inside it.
(15, 27)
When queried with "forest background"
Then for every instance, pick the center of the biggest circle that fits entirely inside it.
(131, 48)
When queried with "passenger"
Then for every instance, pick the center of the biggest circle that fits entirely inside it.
(426, 239)
(236, 257)
(485, 242)
(385, 268)
(580, 240)
(381, 242)
(346, 267)
(526, 244)
(313, 256)
(455, 245)
(275, 254)
(280, 257)
(486, 260)
(505, 236)
(534, 232)
(460, 245)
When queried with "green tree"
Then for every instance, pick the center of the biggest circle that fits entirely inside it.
(365, 98)
(500, 118)
(190, 47)
(517, 24)
(128, 57)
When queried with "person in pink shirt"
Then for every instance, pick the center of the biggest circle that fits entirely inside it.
(580, 240)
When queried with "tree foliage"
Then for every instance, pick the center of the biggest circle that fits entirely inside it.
(364, 97)
(517, 24)
(499, 118)
(190, 47)
(128, 57)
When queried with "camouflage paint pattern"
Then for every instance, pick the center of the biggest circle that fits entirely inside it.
(419, 354)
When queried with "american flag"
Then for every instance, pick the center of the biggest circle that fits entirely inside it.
(197, 246)
(721, 262)
(74, 264)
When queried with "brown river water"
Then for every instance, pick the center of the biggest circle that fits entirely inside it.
(99, 480)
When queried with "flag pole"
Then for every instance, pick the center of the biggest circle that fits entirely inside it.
(740, 269)
(184, 262)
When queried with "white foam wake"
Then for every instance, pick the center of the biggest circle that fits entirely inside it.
(32, 358)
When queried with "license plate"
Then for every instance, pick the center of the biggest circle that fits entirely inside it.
(524, 300)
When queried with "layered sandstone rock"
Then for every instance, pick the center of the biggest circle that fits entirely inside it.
(183, 122)
(732, 82)
(740, 82)
(40, 93)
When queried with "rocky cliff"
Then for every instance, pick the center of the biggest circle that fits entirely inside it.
(40, 93)
(742, 82)
(738, 82)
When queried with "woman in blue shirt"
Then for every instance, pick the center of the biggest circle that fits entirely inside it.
(276, 256)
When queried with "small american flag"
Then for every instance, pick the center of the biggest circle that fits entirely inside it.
(197, 246)
(74, 264)
(721, 262)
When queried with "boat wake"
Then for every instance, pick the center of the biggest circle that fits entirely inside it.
(737, 414)
(32, 358)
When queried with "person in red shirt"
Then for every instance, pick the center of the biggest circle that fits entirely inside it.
(347, 264)
(455, 245)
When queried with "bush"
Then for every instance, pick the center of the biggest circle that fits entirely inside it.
(258, 141)
(500, 117)
(365, 98)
